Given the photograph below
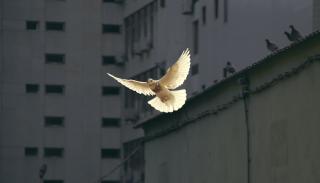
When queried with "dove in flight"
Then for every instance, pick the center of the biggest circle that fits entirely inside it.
(167, 99)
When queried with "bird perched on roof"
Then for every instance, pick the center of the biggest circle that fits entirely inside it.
(228, 69)
(271, 46)
(295, 34)
(42, 171)
(167, 99)
(289, 36)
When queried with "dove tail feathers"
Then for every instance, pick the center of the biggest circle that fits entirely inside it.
(175, 102)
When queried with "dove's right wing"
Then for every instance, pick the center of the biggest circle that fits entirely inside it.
(178, 72)
(137, 86)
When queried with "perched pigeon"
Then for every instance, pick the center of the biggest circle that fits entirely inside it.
(228, 69)
(295, 34)
(288, 36)
(271, 46)
(166, 100)
(42, 171)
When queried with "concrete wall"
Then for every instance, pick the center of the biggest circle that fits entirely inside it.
(82, 105)
(283, 122)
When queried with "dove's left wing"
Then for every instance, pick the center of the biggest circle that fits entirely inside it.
(178, 72)
(137, 86)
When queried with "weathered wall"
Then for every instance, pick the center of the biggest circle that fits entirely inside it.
(283, 123)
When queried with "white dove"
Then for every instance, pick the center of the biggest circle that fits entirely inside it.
(166, 99)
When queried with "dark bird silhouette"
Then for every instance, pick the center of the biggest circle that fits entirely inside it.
(288, 36)
(295, 34)
(228, 69)
(42, 171)
(271, 46)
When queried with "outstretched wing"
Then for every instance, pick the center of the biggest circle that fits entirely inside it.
(178, 72)
(137, 86)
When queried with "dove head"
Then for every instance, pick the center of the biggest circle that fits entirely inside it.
(291, 26)
(150, 81)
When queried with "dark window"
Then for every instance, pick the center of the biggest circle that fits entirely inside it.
(194, 69)
(53, 181)
(162, 3)
(54, 89)
(110, 181)
(32, 25)
(53, 152)
(195, 36)
(55, 58)
(204, 14)
(50, 121)
(30, 151)
(216, 8)
(32, 88)
(55, 26)
(110, 28)
(110, 122)
(110, 90)
(225, 10)
(106, 60)
(110, 153)
(144, 19)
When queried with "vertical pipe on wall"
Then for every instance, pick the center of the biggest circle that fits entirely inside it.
(244, 81)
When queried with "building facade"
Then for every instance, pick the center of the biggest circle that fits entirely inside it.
(216, 31)
(256, 126)
(57, 106)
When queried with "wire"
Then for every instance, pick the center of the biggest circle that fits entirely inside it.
(120, 164)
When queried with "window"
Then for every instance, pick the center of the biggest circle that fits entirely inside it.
(110, 153)
(30, 151)
(162, 3)
(144, 19)
(110, 122)
(53, 152)
(111, 28)
(195, 36)
(225, 10)
(32, 88)
(107, 60)
(216, 8)
(204, 15)
(110, 181)
(32, 25)
(54, 89)
(50, 121)
(55, 26)
(55, 58)
(194, 69)
(110, 90)
(53, 181)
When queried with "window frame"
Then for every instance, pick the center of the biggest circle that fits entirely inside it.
(62, 87)
(34, 88)
(52, 26)
(47, 154)
(31, 151)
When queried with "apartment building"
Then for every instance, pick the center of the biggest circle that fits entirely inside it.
(57, 106)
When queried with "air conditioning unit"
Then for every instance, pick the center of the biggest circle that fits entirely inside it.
(131, 115)
(150, 44)
(144, 47)
(137, 48)
(187, 7)
(121, 60)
